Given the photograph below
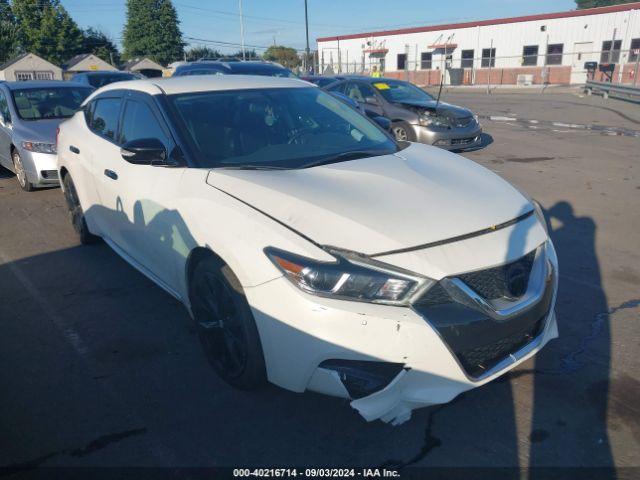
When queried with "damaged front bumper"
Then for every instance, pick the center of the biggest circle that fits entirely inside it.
(415, 388)
(391, 360)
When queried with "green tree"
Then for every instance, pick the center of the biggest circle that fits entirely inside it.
(46, 29)
(599, 3)
(248, 54)
(9, 44)
(153, 30)
(285, 56)
(99, 43)
(196, 53)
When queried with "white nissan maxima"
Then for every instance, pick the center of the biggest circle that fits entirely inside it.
(311, 249)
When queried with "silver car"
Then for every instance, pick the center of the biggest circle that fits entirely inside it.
(415, 115)
(30, 113)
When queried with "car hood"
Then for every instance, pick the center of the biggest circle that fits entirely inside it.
(372, 205)
(38, 130)
(444, 109)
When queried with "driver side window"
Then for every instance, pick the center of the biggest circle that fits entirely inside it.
(360, 92)
(352, 91)
(140, 122)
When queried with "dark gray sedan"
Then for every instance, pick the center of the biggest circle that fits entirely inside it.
(30, 113)
(415, 115)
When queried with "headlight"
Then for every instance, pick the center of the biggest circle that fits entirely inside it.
(39, 147)
(427, 119)
(350, 278)
(539, 214)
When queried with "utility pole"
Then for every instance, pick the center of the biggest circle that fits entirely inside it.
(244, 57)
(306, 27)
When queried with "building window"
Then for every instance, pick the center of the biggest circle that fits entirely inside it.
(554, 54)
(610, 51)
(402, 61)
(44, 75)
(530, 55)
(467, 59)
(425, 60)
(635, 47)
(488, 57)
(24, 76)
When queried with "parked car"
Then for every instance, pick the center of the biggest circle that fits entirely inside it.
(30, 113)
(311, 249)
(100, 79)
(228, 67)
(415, 115)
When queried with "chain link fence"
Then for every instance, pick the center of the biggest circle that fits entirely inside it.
(530, 68)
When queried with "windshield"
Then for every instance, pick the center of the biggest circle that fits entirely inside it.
(399, 92)
(98, 81)
(48, 103)
(276, 128)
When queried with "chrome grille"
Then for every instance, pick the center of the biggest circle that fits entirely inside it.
(463, 141)
(494, 282)
(476, 337)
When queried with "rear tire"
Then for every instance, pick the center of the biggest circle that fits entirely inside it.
(75, 212)
(225, 325)
(21, 174)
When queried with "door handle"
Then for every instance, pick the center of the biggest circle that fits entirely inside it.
(111, 174)
(74, 149)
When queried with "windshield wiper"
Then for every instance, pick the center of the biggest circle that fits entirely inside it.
(345, 156)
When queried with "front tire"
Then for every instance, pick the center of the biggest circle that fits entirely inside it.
(75, 212)
(225, 325)
(403, 132)
(21, 174)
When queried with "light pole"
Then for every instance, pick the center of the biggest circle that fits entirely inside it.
(241, 29)
(306, 26)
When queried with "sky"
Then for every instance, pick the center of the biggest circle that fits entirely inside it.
(282, 21)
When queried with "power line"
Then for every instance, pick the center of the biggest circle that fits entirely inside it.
(230, 44)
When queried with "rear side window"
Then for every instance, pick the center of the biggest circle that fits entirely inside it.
(104, 117)
(139, 122)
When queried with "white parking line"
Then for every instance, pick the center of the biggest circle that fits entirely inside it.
(69, 333)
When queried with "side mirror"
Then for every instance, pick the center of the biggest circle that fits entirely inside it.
(383, 122)
(144, 151)
(3, 122)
